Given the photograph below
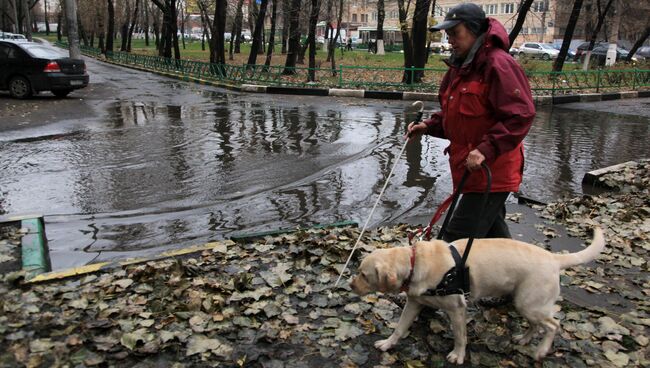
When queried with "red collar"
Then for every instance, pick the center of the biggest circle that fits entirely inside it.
(407, 282)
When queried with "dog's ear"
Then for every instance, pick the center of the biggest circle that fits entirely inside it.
(386, 279)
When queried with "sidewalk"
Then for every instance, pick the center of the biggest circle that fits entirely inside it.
(271, 303)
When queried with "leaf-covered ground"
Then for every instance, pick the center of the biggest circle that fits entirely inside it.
(271, 303)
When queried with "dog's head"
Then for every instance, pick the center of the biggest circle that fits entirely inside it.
(377, 272)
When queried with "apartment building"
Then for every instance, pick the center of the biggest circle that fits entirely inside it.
(540, 24)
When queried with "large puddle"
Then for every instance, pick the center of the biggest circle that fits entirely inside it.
(152, 175)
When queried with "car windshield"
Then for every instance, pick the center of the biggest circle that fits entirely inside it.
(44, 52)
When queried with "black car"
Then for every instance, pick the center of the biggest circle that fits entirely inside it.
(28, 67)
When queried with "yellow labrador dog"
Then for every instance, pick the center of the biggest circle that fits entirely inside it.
(498, 267)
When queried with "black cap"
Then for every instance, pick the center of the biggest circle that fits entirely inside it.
(467, 12)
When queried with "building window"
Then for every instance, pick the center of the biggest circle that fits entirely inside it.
(394, 14)
(524, 30)
(354, 17)
(536, 30)
(374, 16)
(490, 9)
(540, 6)
(507, 8)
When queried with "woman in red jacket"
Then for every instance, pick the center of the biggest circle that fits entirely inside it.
(487, 110)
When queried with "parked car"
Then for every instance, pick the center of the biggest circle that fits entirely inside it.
(583, 48)
(599, 55)
(12, 36)
(30, 67)
(514, 51)
(570, 54)
(538, 50)
(643, 53)
(440, 47)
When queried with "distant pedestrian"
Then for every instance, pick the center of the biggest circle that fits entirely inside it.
(349, 48)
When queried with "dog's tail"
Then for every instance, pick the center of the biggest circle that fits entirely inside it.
(592, 251)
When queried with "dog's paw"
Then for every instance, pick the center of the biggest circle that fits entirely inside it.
(384, 345)
(456, 357)
(524, 339)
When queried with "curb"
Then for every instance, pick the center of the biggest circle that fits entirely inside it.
(218, 246)
(591, 177)
(539, 100)
(242, 237)
(35, 259)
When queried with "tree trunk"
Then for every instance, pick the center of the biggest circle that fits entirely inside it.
(100, 27)
(239, 19)
(133, 21)
(59, 20)
(217, 49)
(124, 29)
(27, 23)
(294, 38)
(156, 28)
(71, 23)
(568, 35)
(594, 34)
(82, 32)
(380, 28)
(285, 25)
(145, 6)
(111, 26)
(236, 29)
(638, 44)
(183, 26)
(311, 40)
(174, 28)
(419, 35)
(47, 21)
(257, 35)
(332, 44)
(406, 39)
(269, 53)
(523, 11)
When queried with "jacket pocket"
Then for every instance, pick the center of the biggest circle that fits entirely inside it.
(472, 102)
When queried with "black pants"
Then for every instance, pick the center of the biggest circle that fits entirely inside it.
(492, 223)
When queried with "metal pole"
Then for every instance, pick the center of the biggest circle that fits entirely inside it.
(73, 34)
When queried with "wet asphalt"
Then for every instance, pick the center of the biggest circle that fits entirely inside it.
(138, 163)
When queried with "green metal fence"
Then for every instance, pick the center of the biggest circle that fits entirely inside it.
(373, 78)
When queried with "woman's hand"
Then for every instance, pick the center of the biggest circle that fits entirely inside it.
(474, 160)
(416, 129)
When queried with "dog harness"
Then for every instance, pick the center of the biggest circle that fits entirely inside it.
(455, 281)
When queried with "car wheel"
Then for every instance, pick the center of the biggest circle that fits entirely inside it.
(522, 55)
(61, 92)
(19, 87)
(546, 57)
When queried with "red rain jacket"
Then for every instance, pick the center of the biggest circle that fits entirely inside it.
(487, 105)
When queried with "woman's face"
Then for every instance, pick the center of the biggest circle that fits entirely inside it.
(461, 39)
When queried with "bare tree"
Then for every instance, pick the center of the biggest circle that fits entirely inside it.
(313, 20)
(594, 34)
(524, 7)
(285, 24)
(47, 21)
(380, 27)
(331, 55)
(638, 44)
(169, 37)
(294, 38)
(257, 35)
(133, 21)
(217, 44)
(568, 35)
(406, 39)
(110, 35)
(269, 54)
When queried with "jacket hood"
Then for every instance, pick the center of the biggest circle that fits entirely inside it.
(496, 35)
